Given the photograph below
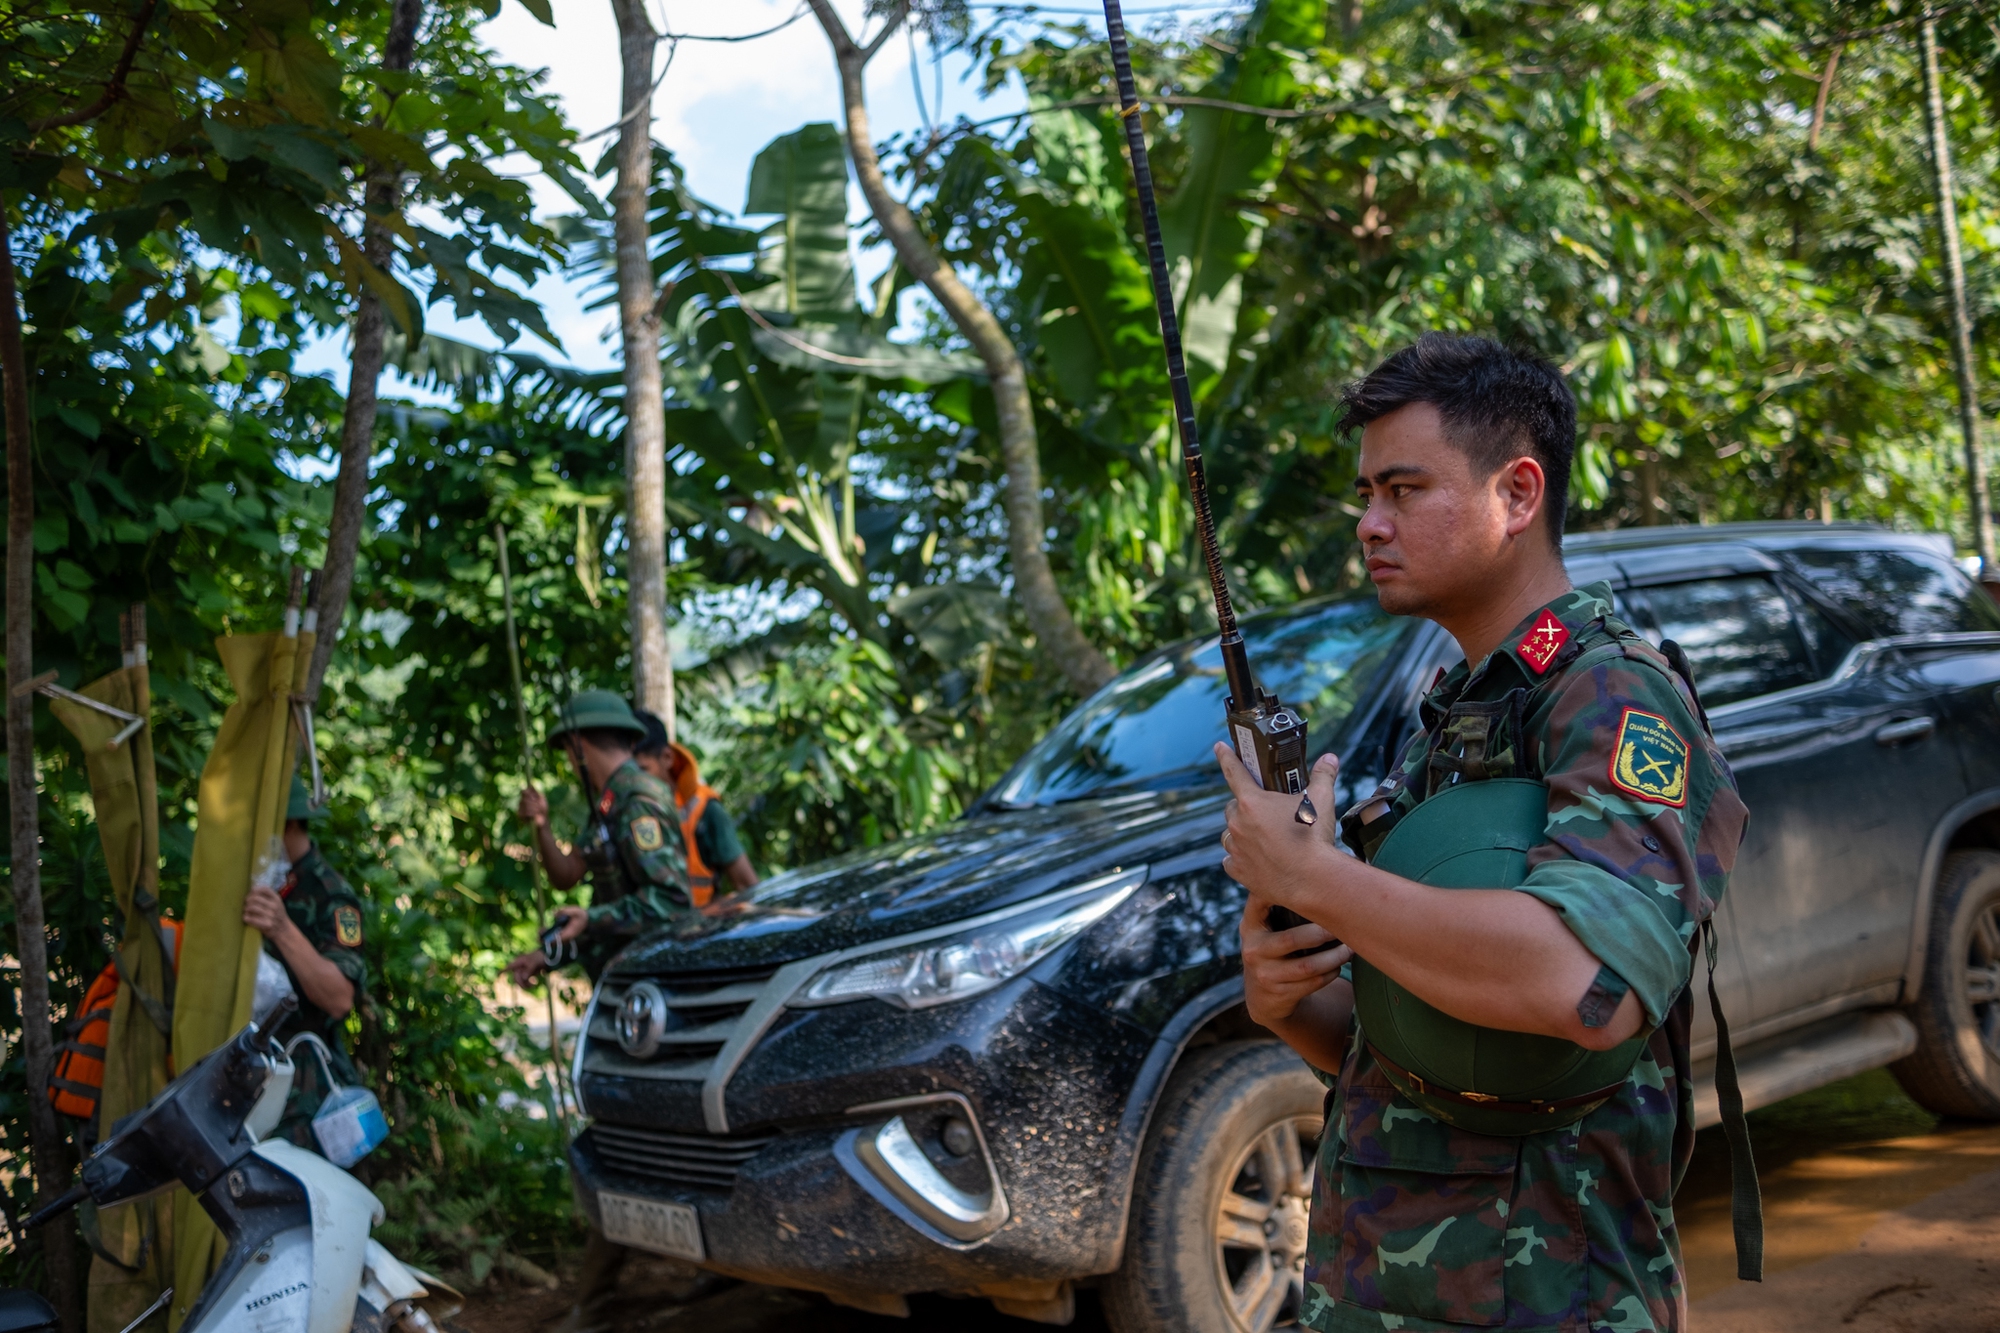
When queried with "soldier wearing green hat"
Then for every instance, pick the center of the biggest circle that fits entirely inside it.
(630, 850)
(633, 853)
(312, 925)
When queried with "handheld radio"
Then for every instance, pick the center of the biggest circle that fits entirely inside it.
(1268, 735)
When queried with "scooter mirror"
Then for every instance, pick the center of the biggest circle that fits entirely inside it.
(267, 1026)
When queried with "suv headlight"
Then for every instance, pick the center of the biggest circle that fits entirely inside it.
(960, 965)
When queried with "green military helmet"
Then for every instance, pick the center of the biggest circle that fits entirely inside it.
(300, 805)
(592, 709)
(1476, 835)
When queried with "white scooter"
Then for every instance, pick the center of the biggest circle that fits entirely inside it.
(299, 1258)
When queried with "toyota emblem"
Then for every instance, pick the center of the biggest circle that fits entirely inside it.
(641, 1019)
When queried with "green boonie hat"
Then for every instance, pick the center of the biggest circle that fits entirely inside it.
(597, 708)
(300, 806)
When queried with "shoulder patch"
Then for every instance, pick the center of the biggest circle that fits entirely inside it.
(1543, 641)
(347, 926)
(646, 834)
(1649, 759)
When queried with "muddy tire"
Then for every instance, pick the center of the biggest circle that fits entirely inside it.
(1955, 1070)
(1216, 1242)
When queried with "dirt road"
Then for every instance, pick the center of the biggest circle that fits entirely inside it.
(1877, 1217)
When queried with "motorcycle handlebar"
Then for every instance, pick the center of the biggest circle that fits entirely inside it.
(56, 1207)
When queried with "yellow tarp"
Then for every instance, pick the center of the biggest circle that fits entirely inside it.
(139, 1236)
(241, 815)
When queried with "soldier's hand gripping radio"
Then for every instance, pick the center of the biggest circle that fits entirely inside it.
(1269, 737)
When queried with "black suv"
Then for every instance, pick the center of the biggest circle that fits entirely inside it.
(1011, 1056)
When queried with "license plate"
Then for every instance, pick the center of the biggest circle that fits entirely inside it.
(652, 1224)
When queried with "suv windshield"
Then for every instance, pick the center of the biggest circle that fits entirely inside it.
(1155, 727)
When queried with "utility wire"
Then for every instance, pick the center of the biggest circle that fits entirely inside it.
(665, 36)
(673, 41)
(1027, 8)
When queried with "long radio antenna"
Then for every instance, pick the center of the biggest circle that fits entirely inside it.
(1235, 660)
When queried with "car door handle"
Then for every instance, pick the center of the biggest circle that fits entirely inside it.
(1909, 729)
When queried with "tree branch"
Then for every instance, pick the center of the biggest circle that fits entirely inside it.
(1881, 29)
(115, 88)
(1819, 103)
(844, 48)
(381, 200)
(889, 25)
(1020, 448)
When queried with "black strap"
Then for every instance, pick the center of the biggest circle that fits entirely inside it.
(1746, 1199)
(93, 1236)
(170, 963)
(161, 1014)
(1677, 658)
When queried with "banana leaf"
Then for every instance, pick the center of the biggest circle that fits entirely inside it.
(1210, 232)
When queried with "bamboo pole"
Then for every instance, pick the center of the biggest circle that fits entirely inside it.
(534, 857)
(1961, 323)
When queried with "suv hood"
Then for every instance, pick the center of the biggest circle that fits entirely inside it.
(977, 864)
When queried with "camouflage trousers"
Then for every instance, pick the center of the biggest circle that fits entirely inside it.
(1417, 1225)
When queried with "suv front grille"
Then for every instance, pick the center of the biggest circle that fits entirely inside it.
(685, 1159)
(705, 1008)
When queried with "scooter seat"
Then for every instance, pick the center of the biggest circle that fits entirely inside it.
(24, 1312)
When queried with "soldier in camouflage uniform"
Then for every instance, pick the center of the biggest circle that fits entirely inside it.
(1417, 1224)
(312, 924)
(630, 848)
(633, 853)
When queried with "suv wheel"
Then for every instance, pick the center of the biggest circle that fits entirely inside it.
(1217, 1240)
(1955, 1069)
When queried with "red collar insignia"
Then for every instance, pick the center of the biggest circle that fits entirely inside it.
(604, 802)
(1543, 641)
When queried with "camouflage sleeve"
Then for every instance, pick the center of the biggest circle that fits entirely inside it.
(649, 845)
(1644, 823)
(340, 937)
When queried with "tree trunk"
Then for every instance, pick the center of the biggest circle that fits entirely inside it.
(1034, 581)
(1961, 324)
(25, 868)
(357, 424)
(645, 396)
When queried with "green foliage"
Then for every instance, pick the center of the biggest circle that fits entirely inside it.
(1752, 322)
(178, 228)
(1209, 223)
(245, 128)
(836, 758)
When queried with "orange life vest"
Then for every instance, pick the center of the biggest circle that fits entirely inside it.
(693, 796)
(701, 879)
(77, 1081)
